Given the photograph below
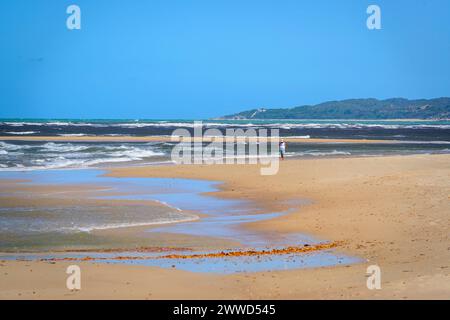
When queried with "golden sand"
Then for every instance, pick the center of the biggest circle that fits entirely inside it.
(393, 212)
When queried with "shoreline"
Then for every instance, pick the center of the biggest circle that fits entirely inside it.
(365, 243)
(377, 204)
(249, 212)
(253, 252)
(227, 187)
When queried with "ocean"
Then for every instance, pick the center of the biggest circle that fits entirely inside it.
(412, 137)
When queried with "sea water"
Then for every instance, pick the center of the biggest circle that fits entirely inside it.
(225, 219)
(412, 137)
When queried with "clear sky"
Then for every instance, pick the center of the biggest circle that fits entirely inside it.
(200, 59)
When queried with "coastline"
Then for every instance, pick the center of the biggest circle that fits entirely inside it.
(322, 181)
(397, 219)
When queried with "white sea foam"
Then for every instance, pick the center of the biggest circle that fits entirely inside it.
(137, 153)
(299, 137)
(64, 147)
(19, 124)
(76, 124)
(168, 205)
(321, 153)
(160, 221)
(9, 146)
(22, 132)
(55, 155)
(304, 124)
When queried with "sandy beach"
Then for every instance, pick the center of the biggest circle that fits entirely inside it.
(389, 211)
(157, 150)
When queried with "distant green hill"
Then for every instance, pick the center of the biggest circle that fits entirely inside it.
(396, 108)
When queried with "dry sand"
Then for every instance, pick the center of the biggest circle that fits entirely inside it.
(391, 211)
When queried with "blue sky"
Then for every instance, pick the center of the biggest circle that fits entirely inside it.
(200, 59)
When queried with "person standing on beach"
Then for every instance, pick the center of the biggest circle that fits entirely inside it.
(282, 149)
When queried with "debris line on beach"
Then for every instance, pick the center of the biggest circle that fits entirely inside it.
(223, 254)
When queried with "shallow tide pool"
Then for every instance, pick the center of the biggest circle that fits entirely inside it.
(224, 219)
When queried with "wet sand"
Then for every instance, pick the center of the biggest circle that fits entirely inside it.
(217, 242)
(16, 194)
(391, 211)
